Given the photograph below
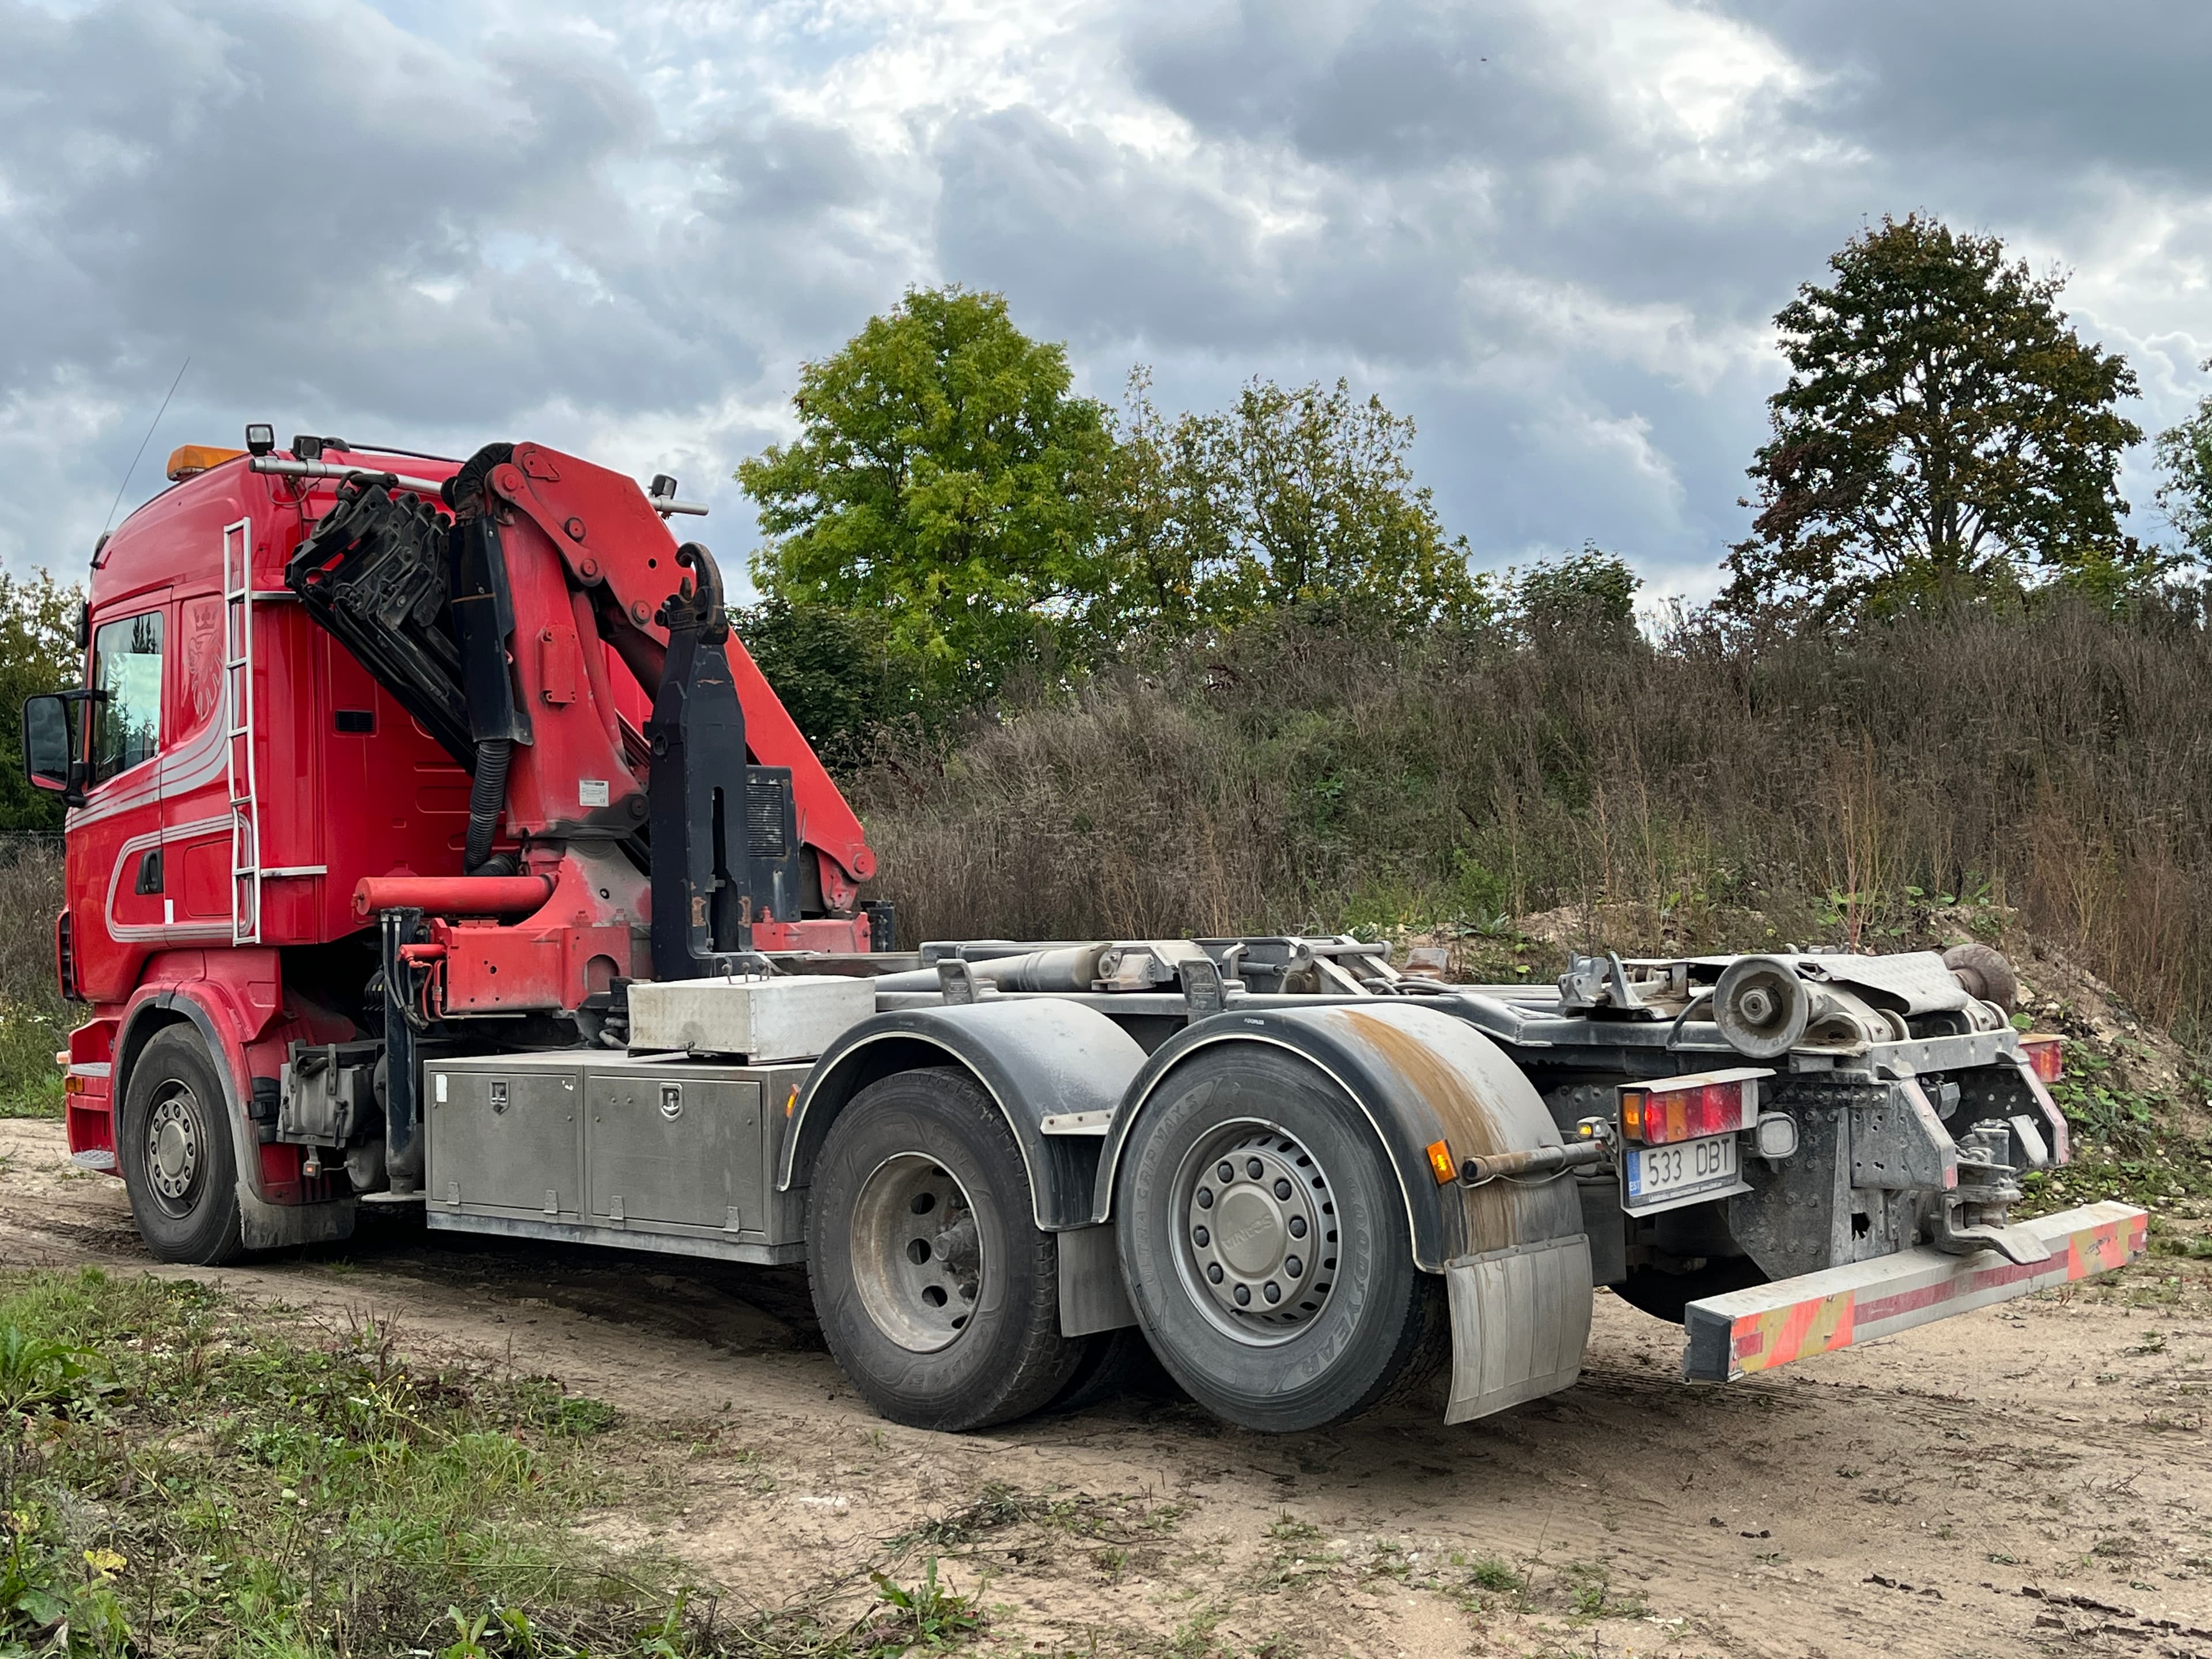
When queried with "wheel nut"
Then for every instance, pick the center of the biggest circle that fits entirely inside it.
(1282, 1187)
(1202, 1238)
(1254, 1168)
(1243, 1296)
(1214, 1272)
(1205, 1198)
(1292, 1266)
(1272, 1290)
(1298, 1226)
(1227, 1172)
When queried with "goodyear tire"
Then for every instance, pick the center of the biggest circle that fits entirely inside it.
(174, 1147)
(1264, 1241)
(937, 1293)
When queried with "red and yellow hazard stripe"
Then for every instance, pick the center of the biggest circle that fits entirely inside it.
(1769, 1325)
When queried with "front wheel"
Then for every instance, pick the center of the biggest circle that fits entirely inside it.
(937, 1293)
(179, 1161)
(1264, 1241)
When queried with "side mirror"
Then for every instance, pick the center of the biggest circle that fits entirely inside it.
(54, 748)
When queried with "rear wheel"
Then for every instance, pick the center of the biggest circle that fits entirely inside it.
(1263, 1239)
(179, 1161)
(937, 1292)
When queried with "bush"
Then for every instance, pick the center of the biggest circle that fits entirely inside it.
(35, 1022)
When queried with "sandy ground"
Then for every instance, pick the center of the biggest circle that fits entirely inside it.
(2032, 1478)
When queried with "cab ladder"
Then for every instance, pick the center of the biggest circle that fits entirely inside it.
(237, 722)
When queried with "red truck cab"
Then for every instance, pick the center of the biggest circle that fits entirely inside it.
(236, 774)
(203, 857)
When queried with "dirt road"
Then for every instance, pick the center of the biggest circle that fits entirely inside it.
(2035, 1479)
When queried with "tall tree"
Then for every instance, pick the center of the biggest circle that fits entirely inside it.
(38, 653)
(1944, 434)
(1172, 564)
(1329, 513)
(2184, 457)
(943, 480)
(1295, 497)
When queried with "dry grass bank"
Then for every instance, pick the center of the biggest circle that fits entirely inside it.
(1822, 789)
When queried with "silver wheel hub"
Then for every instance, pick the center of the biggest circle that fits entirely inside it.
(917, 1257)
(1259, 1230)
(173, 1152)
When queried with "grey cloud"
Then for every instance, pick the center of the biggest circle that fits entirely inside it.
(2026, 83)
(1472, 208)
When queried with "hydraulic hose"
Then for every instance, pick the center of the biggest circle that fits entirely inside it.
(487, 799)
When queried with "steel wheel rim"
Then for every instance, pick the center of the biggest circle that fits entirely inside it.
(1266, 1229)
(917, 1253)
(176, 1150)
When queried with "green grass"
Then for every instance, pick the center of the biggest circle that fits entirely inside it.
(180, 1474)
(31, 1030)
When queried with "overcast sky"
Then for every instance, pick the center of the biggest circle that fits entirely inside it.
(1553, 232)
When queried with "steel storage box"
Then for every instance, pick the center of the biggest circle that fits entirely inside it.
(654, 1154)
(792, 1016)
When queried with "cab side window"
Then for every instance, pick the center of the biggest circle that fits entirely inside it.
(127, 663)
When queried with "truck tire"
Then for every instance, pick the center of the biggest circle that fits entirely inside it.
(937, 1292)
(1307, 1307)
(174, 1147)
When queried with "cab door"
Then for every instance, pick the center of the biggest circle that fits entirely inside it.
(119, 826)
(196, 811)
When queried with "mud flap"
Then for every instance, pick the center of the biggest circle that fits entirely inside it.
(1520, 1317)
(1726, 1337)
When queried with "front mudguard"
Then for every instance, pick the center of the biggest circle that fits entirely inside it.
(1035, 1057)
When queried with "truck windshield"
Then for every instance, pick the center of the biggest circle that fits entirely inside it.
(127, 665)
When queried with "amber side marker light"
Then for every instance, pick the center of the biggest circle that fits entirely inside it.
(2045, 1055)
(1441, 1164)
(188, 460)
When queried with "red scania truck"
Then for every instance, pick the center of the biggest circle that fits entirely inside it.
(433, 843)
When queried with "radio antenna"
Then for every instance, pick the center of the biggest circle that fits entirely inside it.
(140, 456)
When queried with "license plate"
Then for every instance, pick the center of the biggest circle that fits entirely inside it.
(1655, 1173)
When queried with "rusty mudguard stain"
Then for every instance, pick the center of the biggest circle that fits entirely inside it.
(1481, 1103)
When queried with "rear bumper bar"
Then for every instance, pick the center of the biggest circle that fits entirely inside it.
(1726, 1337)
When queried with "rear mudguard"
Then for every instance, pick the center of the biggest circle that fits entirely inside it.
(1515, 1259)
(1034, 1058)
(1419, 1077)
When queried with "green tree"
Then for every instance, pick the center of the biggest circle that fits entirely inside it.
(1329, 513)
(2184, 457)
(1583, 600)
(1294, 498)
(944, 482)
(1944, 435)
(1172, 566)
(834, 671)
(38, 653)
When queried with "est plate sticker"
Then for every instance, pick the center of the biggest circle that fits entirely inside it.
(591, 791)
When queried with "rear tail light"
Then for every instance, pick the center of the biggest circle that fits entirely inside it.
(2045, 1055)
(65, 957)
(1690, 1107)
